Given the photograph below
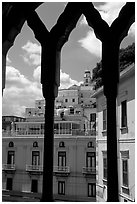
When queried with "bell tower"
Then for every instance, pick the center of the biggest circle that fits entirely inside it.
(87, 78)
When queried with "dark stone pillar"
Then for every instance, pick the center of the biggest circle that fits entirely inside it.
(47, 191)
(50, 77)
(112, 161)
(110, 65)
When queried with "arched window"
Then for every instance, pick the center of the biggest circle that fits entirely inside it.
(61, 144)
(11, 144)
(90, 144)
(35, 144)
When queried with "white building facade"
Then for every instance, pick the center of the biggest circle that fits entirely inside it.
(74, 170)
(125, 138)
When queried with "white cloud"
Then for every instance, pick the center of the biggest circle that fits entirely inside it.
(13, 76)
(110, 11)
(19, 92)
(66, 81)
(32, 54)
(91, 43)
(8, 61)
(37, 73)
(132, 30)
(32, 48)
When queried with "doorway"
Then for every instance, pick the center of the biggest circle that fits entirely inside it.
(9, 184)
(34, 186)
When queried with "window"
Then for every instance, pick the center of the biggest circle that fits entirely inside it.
(105, 168)
(93, 117)
(90, 159)
(61, 158)
(35, 158)
(93, 121)
(73, 100)
(11, 157)
(125, 172)
(61, 187)
(35, 144)
(91, 190)
(104, 119)
(124, 114)
(90, 144)
(11, 144)
(61, 144)
(86, 80)
(71, 110)
(66, 100)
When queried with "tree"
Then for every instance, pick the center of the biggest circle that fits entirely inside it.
(126, 57)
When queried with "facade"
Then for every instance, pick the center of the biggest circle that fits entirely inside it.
(125, 135)
(74, 171)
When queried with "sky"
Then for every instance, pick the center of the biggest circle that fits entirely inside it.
(81, 52)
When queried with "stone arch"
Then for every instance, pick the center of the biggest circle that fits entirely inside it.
(14, 15)
(55, 39)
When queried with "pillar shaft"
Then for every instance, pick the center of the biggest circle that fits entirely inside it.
(47, 191)
(50, 75)
(110, 67)
(112, 163)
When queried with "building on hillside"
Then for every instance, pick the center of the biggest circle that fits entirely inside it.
(8, 120)
(74, 172)
(125, 138)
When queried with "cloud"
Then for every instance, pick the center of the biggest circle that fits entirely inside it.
(19, 92)
(32, 53)
(37, 73)
(132, 30)
(109, 12)
(8, 61)
(91, 43)
(32, 48)
(13, 76)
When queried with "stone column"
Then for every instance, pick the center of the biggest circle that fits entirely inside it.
(110, 66)
(111, 38)
(50, 75)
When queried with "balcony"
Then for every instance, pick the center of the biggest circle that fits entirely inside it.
(61, 170)
(34, 169)
(9, 168)
(84, 132)
(6, 133)
(89, 171)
